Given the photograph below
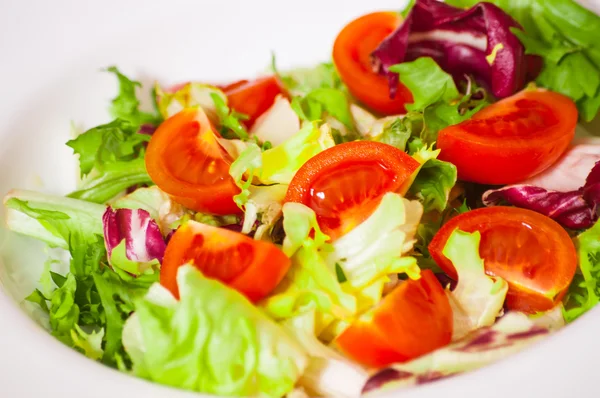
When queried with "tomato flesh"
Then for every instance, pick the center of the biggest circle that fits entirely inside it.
(344, 184)
(533, 253)
(253, 98)
(414, 319)
(511, 140)
(185, 159)
(352, 57)
(252, 267)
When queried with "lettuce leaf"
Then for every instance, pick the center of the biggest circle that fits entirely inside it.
(212, 340)
(328, 373)
(433, 183)
(584, 292)
(52, 219)
(477, 299)
(301, 81)
(374, 248)
(279, 164)
(310, 283)
(114, 178)
(125, 105)
(436, 97)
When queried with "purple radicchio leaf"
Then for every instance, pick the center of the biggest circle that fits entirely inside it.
(143, 239)
(147, 129)
(476, 41)
(574, 209)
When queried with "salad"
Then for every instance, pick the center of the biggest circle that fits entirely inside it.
(416, 208)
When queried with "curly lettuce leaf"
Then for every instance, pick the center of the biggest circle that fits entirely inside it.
(584, 292)
(310, 283)
(436, 97)
(212, 340)
(433, 183)
(374, 248)
(125, 105)
(478, 298)
(114, 178)
(301, 81)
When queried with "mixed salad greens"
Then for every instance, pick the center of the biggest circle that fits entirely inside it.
(414, 209)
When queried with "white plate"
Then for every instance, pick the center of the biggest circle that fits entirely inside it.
(50, 56)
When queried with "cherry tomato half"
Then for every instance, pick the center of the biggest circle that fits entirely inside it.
(253, 97)
(250, 266)
(511, 140)
(345, 183)
(530, 251)
(414, 319)
(186, 161)
(352, 58)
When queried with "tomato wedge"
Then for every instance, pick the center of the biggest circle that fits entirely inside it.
(511, 140)
(345, 183)
(250, 266)
(530, 251)
(352, 58)
(414, 319)
(253, 97)
(186, 161)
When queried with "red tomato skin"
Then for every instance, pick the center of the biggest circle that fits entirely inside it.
(175, 142)
(352, 58)
(345, 183)
(255, 97)
(532, 287)
(511, 140)
(252, 267)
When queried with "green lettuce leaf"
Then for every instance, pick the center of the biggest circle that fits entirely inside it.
(301, 81)
(53, 219)
(427, 82)
(478, 298)
(114, 179)
(125, 105)
(310, 283)
(433, 183)
(584, 292)
(280, 164)
(212, 340)
(90, 344)
(317, 102)
(230, 120)
(374, 248)
(436, 96)
(328, 373)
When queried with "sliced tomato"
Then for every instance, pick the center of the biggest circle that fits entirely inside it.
(345, 183)
(250, 266)
(414, 319)
(253, 97)
(352, 58)
(511, 140)
(530, 251)
(185, 159)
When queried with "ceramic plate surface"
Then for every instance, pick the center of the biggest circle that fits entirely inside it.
(51, 54)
